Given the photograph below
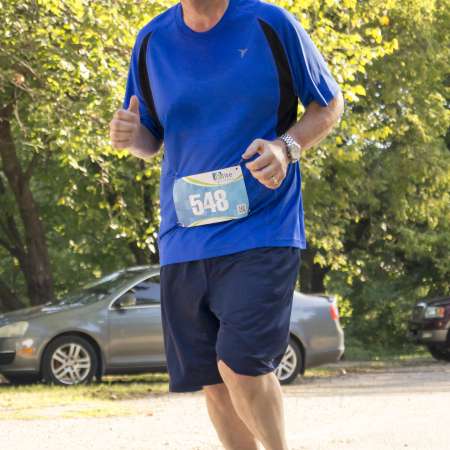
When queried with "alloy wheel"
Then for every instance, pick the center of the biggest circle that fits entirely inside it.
(288, 364)
(70, 363)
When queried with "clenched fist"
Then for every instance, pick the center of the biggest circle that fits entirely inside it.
(270, 167)
(125, 125)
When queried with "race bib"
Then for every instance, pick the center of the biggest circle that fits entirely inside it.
(210, 197)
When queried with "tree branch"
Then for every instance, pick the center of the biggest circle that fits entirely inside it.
(7, 246)
(12, 232)
(31, 166)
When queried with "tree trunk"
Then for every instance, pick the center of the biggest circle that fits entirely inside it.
(140, 255)
(8, 299)
(36, 264)
(311, 274)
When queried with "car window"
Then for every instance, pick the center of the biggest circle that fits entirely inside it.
(96, 290)
(147, 292)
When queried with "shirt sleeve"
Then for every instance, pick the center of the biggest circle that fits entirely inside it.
(311, 75)
(133, 87)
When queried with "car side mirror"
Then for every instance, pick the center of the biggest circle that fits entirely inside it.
(127, 300)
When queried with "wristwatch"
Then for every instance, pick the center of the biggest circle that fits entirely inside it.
(293, 148)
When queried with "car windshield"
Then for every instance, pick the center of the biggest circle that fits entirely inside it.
(98, 289)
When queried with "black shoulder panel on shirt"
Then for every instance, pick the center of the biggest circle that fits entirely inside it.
(287, 111)
(145, 83)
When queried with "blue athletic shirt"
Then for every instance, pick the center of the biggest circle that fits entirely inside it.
(208, 95)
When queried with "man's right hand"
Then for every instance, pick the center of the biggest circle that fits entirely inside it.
(125, 125)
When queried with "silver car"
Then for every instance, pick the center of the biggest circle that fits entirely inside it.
(113, 326)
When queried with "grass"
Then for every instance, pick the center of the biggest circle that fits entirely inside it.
(356, 352)
(357, 360)
(40, 401)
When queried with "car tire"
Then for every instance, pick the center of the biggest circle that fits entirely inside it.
(69, 360)
(22, 378)
(440, 353)
(291, 364)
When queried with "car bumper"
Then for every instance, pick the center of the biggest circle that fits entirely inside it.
(18, 355)
(419, 336)
(326, 350)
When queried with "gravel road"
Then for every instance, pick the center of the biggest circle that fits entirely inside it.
(397, 408)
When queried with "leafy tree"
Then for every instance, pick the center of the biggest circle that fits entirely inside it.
(68, 200)
(376, 191)
(379, 205)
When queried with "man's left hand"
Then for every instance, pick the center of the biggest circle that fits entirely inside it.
(271, 166)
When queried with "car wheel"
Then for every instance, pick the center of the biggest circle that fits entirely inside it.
(23, 378)
(291, 364)
(440, 353)
(69, 360)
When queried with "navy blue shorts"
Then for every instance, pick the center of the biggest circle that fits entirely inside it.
(236, 308)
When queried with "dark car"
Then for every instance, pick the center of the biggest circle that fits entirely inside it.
(430, 326)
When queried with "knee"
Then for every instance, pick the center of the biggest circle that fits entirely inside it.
(216, 393)
(237, 381)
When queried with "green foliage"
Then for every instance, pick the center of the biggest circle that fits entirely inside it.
(64, 63)
(376, 191)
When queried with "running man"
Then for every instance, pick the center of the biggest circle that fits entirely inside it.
(218, 82)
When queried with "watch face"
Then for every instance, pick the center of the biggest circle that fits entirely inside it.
(295, 151)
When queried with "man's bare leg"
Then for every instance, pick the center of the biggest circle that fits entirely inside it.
(259, 403)
(232, 432)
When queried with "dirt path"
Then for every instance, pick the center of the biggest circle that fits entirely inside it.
(399, 408)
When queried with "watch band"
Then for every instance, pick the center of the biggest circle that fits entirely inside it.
(293, 148)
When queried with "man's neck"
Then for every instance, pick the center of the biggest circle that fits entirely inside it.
(202, 15)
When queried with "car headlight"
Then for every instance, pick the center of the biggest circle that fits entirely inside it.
(17, 329)
(434, 312)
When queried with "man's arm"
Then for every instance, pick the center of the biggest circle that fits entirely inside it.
(145, 145)
(316, 123)
(127, 131)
